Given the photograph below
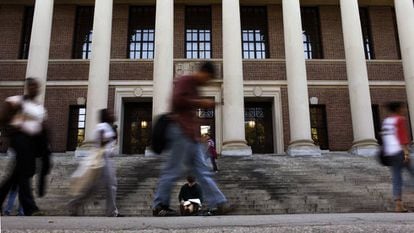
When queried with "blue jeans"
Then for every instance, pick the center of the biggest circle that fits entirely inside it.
(10, 203)
(186, 155)
(397, 166)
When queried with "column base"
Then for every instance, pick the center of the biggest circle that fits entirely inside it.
(236, 148)
(367, 147)
(303, 148)
(84, 149)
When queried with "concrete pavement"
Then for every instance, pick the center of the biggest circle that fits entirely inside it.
(378, 222)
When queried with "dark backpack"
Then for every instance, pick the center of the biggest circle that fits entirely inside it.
(159, 133)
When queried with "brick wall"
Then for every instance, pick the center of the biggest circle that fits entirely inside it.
(12, 71)
(11, 27)
(338, 114)
(385, 71)
(179, 30)
(63, 30)
(275, 31)
(119, 43)
(264, 70)
(383, 29)
(62, 71)
(58, 100)
(131, 70)
(325, 70)
(331, 32)
(216, 30)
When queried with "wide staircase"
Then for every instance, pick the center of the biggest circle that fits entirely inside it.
(260, 184)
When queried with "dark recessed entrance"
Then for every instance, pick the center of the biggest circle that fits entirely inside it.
(259, 126)
(137, 127)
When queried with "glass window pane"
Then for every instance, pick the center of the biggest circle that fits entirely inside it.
(208, 55)
(207, 36)
(188, 46)
(194, 36)
(245, 36)
(82, 111)
(194, 55)
(202, 36)
(81, 125)
(81, 118)
(258, 36)
(201, 46)
(251, 46)
(208, 46)
(188, 54)
(251, 38)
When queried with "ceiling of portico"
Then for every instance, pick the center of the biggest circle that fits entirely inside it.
(192, 2)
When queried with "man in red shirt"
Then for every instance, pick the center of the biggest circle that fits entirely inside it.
(395, 142)
(186, 152)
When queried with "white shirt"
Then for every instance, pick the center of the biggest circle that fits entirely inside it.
(30, 118)
(108, 135)
(390, 141)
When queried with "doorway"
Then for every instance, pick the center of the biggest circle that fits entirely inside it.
(259, 126)
(136, 127)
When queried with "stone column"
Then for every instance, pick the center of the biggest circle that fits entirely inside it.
(301, 143)
(356, 68)
(234, 141)
(405, 19)
(99, 65)
(164, 56)
(40, 43)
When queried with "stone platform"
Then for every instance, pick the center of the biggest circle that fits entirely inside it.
(260, 184)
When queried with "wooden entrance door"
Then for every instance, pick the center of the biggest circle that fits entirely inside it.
(137, 127)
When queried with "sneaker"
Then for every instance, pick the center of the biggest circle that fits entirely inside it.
(6, 213)
(163, 212)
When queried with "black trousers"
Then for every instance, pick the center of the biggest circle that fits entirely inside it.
(24, 169)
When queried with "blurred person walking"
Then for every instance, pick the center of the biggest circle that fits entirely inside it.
(185, 150)
(106, 139)
(10, 203)
(24, 119)
(395, 146)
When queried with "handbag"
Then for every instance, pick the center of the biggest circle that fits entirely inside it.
(88, 173)
(382, 158)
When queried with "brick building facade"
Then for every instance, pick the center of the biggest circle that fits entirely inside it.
(265, 80)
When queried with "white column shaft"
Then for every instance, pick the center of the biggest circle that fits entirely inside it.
(164, 56)
(233, 108)
(99, 65)
(296, 73)
(356, 68)
(405, 20)
(40, 43)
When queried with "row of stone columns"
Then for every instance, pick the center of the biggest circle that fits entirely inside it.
(233, 108)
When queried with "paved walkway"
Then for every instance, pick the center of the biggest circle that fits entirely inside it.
(379, 222)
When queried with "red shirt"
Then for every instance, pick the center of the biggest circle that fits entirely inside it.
(402, 133)
(184, 108)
